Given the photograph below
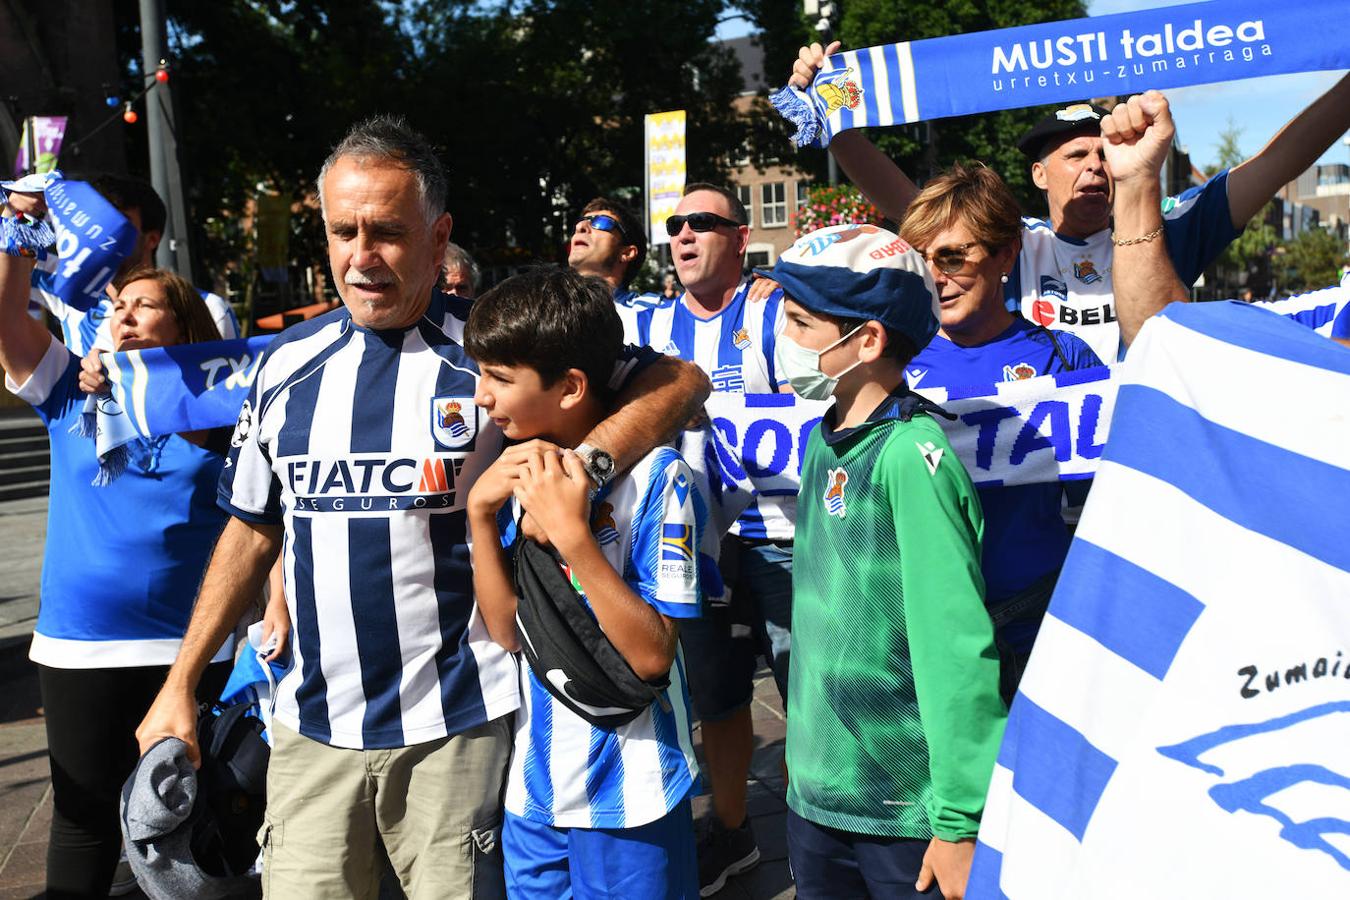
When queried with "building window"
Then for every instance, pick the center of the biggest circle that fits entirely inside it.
(743, 194)
(773, 211)
(759, 255)
(802, 188)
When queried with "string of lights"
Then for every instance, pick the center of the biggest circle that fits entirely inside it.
(128, 113)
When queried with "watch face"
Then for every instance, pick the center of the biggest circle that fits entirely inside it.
(603, 463)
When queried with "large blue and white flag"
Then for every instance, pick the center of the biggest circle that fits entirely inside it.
(1183, 725)
(962, 74)
(1326, 311)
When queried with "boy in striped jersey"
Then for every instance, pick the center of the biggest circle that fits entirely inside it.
(590, 811)
(715, 325)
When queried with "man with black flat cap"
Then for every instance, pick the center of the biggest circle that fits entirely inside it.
(1062, 278)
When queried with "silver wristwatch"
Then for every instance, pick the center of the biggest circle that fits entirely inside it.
(599, 464)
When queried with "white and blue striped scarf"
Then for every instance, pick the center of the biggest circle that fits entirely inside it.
(1182, 729)
(1053, 62)
(164, 390)
(89, 241)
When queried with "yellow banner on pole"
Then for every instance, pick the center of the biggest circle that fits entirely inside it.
(665, 167)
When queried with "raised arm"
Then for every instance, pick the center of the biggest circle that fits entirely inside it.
(875, 173)
(1289, 153)
(23, 340)
(1136, 137)
(652, 409)
(234, 577)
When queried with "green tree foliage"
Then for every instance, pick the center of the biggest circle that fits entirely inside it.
(537, 105)
(1311, 261)
(540, 106)
(925, 149)
(1246, 262)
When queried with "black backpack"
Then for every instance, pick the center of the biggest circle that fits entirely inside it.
(568, 652)
(233, 784)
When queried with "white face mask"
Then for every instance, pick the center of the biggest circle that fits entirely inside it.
(802, 367)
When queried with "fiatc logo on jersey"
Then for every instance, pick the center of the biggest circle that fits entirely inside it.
(454, 421)
(373, 483)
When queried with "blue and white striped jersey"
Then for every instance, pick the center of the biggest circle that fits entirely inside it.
(736, 349)
(365, 444)
(1065, 283)
(564, 771)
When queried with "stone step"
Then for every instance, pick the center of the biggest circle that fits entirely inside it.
(22, 459)
(20, 420)
(24, 490)
(22, 474)
(23, 443)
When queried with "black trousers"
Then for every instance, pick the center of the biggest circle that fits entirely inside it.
(91, 717)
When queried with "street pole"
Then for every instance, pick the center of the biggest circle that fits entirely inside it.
(828, 12)
(30, 133)
(174, 249)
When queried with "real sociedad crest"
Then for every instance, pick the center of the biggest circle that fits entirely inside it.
(1019, 372)
(1076, 113)
(834, 492)
(454, 421)
(839, 91)
(602, 525)
(741, 339)
(1086, 271)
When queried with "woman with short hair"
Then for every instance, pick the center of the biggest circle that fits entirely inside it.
(967, 224)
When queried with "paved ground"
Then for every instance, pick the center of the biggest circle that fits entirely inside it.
(25, 787)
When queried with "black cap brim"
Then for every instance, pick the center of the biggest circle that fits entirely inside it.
(1077, 118)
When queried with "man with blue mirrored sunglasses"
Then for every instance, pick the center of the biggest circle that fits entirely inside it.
(609, 243)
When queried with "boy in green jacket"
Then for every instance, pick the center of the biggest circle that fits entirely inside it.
(894, 716)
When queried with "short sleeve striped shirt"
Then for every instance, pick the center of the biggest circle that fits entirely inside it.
(365, 444)
(736, 349)
(567, 773)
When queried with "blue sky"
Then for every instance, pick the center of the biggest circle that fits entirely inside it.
(1258, 106)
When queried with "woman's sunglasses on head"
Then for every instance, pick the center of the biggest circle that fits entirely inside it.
(699, 221)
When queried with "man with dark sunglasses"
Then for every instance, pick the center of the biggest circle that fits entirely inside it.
(609, 243)
(732, 339)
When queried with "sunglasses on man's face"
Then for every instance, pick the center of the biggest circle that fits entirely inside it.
(602, 222)
(699, 221)
(950, 260)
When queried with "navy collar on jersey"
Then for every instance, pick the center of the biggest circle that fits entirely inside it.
(438, 307)
(902, 404)
(1018, 324)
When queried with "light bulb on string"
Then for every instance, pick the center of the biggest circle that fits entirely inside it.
(129, 115)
